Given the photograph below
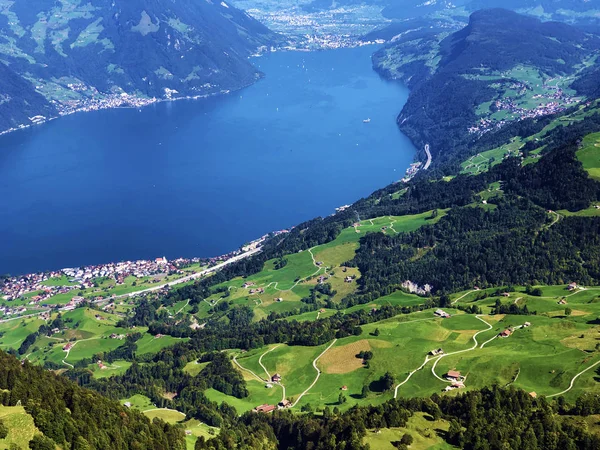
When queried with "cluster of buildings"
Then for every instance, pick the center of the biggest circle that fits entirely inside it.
(98, 101)
(83, 277)
(121, 270)
(559, 101)
(330, 28)
(8, 311)
(456, 379)
(411, 171)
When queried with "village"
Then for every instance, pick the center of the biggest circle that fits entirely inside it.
(39, 288)
(558, 102)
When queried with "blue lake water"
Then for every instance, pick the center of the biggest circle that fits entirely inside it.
(200, 178)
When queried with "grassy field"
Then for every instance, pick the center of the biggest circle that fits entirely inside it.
(295, 280)
(168, 415)
(483, 161)
(424, 430)
(21, 428)
(543, 357)
(589, 155)
(138, 401)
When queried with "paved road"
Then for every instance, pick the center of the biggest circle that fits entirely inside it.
(428, 163)
(318, 373)
(160, 286)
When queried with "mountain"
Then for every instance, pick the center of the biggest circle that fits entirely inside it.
(501, 68)
(105, 53)
(69, 416)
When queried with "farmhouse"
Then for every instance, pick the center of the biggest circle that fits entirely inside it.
(265, 409)
(441, 313)
(276, 378)
(348, 279)
(506, 333)
(454, 375)
(437, 352)
(284, 404)
(68, 347)
(572, 287)
(456, 385)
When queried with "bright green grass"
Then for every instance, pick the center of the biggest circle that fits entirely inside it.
(118, 367)
(139, 401)
(198, 429)
(88, 348)
(62, 281)
(258, 395)
(150, 344)
(589, 212)
(424, 430)
(168, 415)
(589, 155)
(193, 368)
(21, 428)
(299, 276)
(16, 331)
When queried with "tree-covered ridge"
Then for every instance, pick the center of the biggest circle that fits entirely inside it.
(501, 68)
(75, 53)
(72, 417)
(492, 418)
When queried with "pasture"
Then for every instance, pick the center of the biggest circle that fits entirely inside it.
(589, 155)
(21, 428)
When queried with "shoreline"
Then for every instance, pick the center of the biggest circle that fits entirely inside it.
(155, 100)
(145, 102)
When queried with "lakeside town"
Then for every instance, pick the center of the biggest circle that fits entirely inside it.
(35, 290)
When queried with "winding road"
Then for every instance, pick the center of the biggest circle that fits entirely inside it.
(489, 327)
(573, 381)
(427, 359)
(318, 373)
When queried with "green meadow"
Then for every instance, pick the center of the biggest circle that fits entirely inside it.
(589, 155)
(21, 428)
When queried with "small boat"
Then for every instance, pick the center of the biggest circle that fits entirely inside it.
(367, 121)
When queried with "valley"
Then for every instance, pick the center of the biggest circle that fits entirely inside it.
(456, 307)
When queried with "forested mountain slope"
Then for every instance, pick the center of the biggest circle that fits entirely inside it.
(72, 417)
(501, 68)
(80, 54)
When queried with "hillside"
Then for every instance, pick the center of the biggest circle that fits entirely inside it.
(72, 417)
(500, 69)
(101, 54)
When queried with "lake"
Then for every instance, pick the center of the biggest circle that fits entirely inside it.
(200, 178)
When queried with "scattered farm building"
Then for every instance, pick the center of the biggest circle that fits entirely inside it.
(506, 333)
(441, 313)
(284, 404)
(437, 352)
(276, 378)
(572, 287)
(265, 408)
(454, 375)
(344, 388)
